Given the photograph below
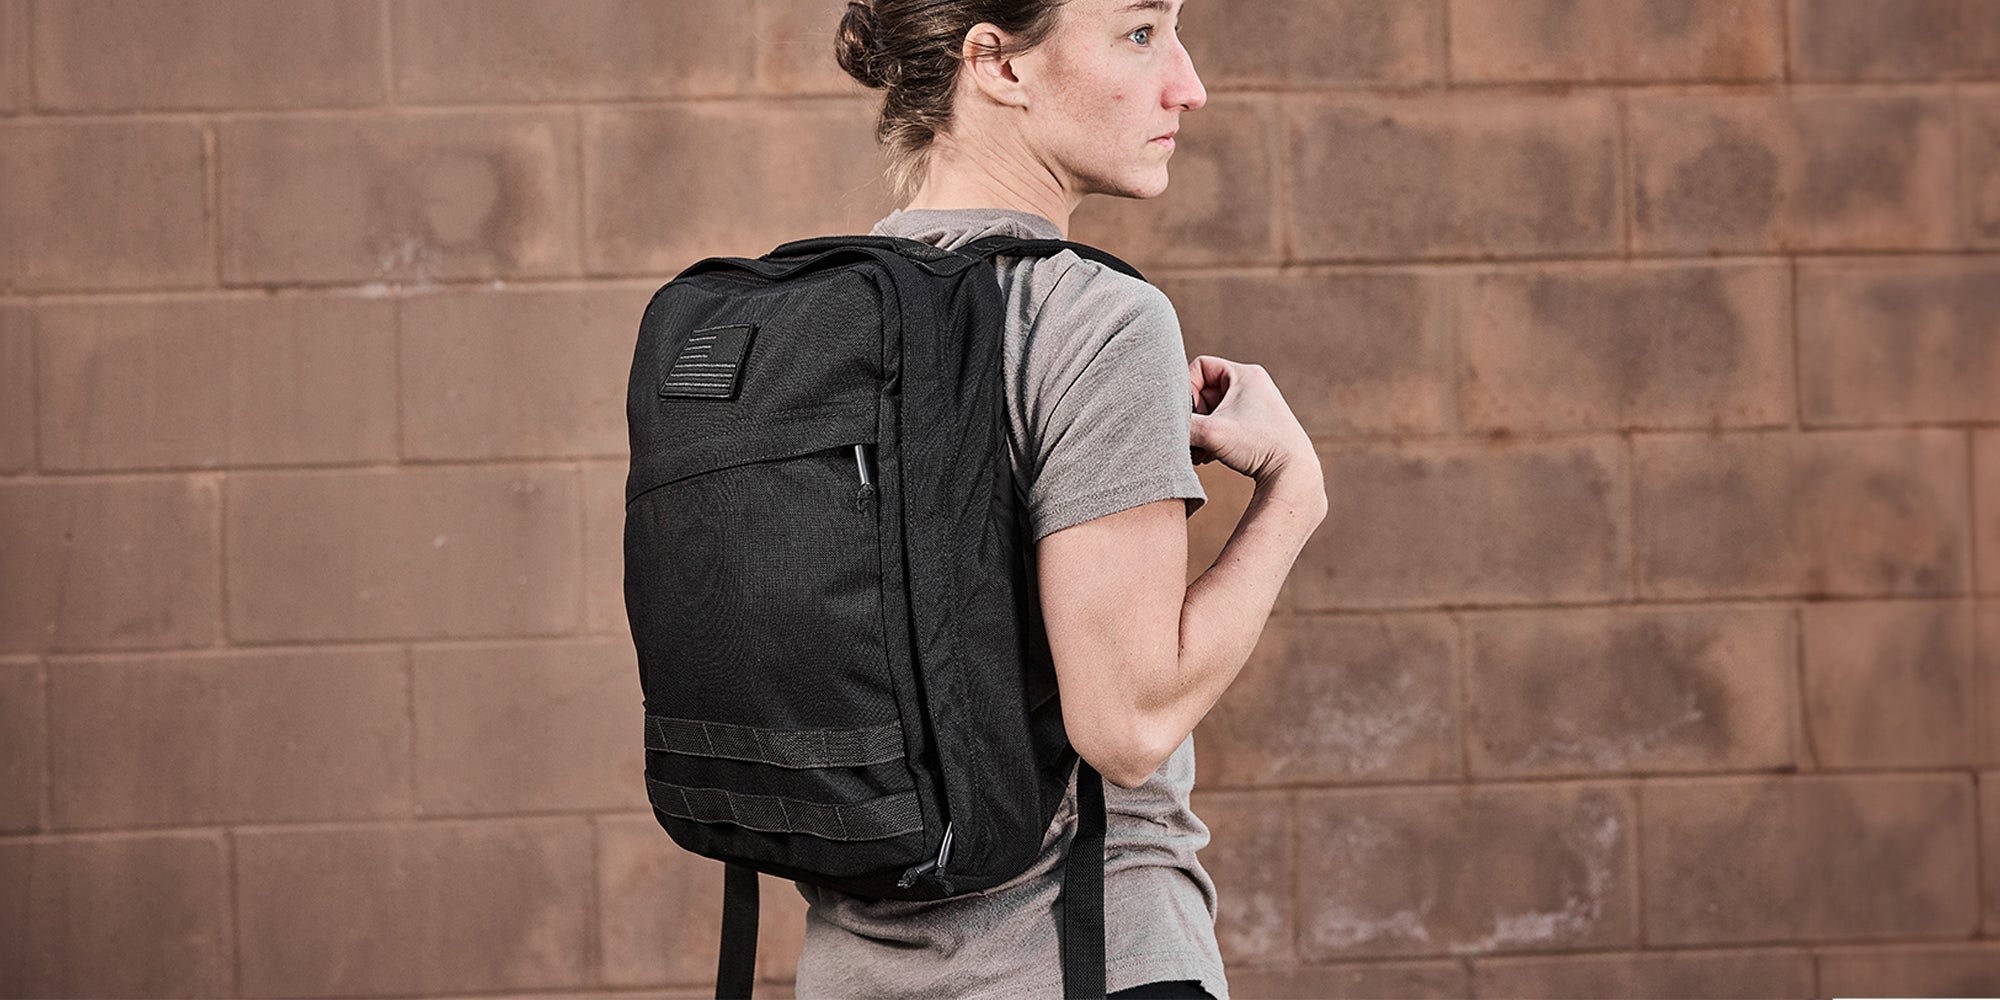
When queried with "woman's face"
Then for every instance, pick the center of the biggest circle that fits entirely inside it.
(1118, 80)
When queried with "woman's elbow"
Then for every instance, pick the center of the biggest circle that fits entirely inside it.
(1130, 780)
(1127, 761)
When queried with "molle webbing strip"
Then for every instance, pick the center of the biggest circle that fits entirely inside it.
(875, 819)
(793, 748)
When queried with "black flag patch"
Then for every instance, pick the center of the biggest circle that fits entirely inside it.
(711, 365)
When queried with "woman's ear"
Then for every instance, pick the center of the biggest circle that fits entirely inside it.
(994, 75)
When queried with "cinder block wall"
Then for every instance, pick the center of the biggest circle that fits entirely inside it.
(1653, 350)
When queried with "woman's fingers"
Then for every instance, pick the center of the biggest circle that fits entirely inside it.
(1196, 382)
(1211, 378)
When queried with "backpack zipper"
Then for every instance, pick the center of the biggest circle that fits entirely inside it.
(867, 481)
(937, 865)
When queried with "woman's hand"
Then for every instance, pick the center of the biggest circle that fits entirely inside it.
(1241, 420)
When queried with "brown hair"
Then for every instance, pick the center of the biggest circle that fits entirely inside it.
(912, 48)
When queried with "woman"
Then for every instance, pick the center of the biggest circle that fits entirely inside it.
(999, 117)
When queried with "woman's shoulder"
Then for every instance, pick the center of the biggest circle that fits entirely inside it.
(1075, 289)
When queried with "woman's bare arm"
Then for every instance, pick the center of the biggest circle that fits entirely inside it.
(1140, 656)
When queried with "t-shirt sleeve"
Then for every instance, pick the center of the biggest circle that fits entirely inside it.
(1117, 435)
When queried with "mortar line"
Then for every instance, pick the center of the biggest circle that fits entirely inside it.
(583, 560)
(386, 25)
(1278, 148)
(1804, 744)
(409, 657)
(396, 340)
(1961, 189)
(1341, 92)
(28, 16)
(34, 388)
(223, 629)
(1978, 833)
(1462, 670)
(1785, 59)
(648, 279)
(582, 202)
(235, 890)
(1795, 377)
(1508, 785)
(45, 805)
(1449, 293)
(1638, 866)
(1626, 174)
(211, 171)
(1630, 454)
(1974, 584)
(1443, 42)
(1294, 820)
(594, 931)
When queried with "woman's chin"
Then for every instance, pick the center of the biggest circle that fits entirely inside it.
(1150, 184)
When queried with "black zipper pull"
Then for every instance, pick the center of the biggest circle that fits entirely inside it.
(910, 877)
(936, 864)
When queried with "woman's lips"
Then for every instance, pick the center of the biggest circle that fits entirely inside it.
(1165, 140)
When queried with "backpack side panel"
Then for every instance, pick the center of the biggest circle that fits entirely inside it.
(980, 648)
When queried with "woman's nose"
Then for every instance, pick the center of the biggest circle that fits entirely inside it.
(1184, 89)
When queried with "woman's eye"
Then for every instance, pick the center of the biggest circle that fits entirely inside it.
(1147, 31)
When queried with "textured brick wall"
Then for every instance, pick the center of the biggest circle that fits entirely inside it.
(1651, 646)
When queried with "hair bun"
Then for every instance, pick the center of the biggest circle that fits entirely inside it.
(857, 49)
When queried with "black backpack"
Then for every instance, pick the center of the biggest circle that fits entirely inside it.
(830, 583)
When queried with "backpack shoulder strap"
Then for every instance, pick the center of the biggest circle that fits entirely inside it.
(1082, 892)
(916, 250)
(992, 246)
(736, 967)
(979, 249)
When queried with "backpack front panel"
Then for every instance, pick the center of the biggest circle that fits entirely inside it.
(781, 714)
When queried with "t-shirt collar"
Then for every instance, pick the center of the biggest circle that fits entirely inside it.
(952, 227)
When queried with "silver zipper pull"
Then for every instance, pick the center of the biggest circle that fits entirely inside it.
(861, 462)
(867, 490)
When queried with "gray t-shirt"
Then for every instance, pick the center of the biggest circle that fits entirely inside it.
(1097, 406)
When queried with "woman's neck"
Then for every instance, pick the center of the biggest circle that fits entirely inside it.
(950, 184)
